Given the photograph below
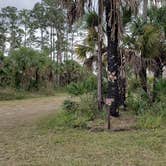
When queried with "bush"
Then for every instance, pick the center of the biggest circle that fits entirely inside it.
(150, 115)
(29, 69)
(138, 102)
(88, 106)
(69, 105)
(75, 114)
(65, 119)
(149, 121)
(88, 85)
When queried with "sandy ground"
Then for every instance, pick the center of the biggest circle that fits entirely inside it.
(20, 112)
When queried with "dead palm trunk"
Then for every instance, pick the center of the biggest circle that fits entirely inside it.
(99, 80)
(112, 53)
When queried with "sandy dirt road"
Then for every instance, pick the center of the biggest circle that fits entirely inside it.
(20, 112)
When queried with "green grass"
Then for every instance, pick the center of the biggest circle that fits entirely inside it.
(72, 147)
(48, 142)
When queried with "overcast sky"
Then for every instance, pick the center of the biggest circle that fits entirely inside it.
(20, 4)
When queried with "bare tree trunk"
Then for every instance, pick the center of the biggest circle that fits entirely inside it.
(51, 37)
(100, 32)
(163, 3)
(145, 9)
(53, 43)
(59, 52)
(72, 41)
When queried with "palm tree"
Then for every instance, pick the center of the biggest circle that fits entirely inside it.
(147, 41)
(113, 31)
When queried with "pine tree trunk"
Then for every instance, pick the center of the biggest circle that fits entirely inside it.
(145, 9)
(59, 52)
(72, 41)
(51, 37)
(113, 65)
(53, 43)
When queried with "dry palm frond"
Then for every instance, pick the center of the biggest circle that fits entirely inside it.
(132, 4)
(89, 62)
(75, 8)
(115, 21)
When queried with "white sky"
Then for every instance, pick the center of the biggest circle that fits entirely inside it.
(20, 4)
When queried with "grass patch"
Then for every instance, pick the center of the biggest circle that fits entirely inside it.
(14, 94)
(72, 147)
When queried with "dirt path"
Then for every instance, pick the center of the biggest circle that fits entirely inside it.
(20, 112)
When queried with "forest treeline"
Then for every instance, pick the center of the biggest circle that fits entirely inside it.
(44, 27)
(37, 48)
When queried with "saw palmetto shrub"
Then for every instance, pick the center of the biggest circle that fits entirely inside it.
(149, 114)
(85, 86)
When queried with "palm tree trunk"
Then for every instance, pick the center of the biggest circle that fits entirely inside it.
(112, 53)
(99, 80)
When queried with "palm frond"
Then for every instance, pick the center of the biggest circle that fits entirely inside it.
(91, 19)
(82, 50)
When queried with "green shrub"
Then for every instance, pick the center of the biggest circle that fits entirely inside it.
(75, 114)
(29, 69)
(88, 106)
(133, 85)
(150, 115)
(88, 85)
(138, 102)
(69, 105)
(65, 119)
(149, 121)
(75, 89)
